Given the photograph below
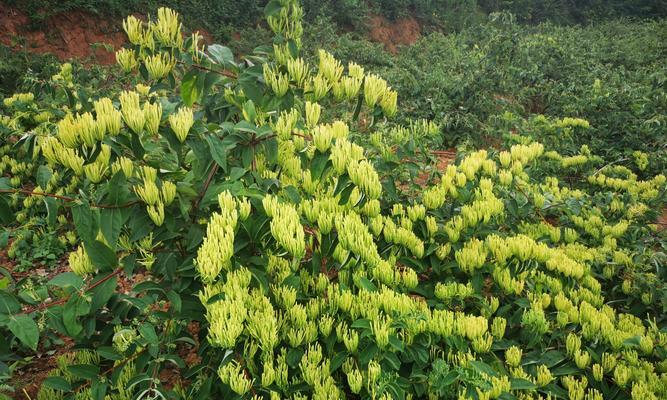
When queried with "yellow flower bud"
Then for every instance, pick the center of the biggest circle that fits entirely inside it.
(80, 263)
(181, 122)
(152, 115)
(127, 59)
(159, 65)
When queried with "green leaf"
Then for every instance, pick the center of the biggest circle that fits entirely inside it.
(249, 110)
(8, 303)
(522, 384)
(57, 383)
(366, 284)
(6, 214)
(74, 308)
(25, 329)
(218, 150)
(483, 368)
(51, 210)
(272, 8)
(43, 175)
(111, 222)
(98, 390)
(190, 90)
(85, 222)
(103, 292)
(84, 371)
(317, 166)
(221, 54)
(66, 279)
(147, 331)
(101, 255)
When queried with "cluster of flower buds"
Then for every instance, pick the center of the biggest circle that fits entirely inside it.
(286, 226)
(287, 22)
(233, 374)
(217, 249)
(276, 80)
(79, 262)
(181, 122)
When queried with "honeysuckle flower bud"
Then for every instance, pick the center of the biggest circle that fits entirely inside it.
(181, 122)
(329, 67)
(159, 65)
(244, 209)
(152, 115)
(351, 340)
(364, 176)
(388, 102)
(354, 70)
(95, 171)
(196, 51)
(381, 329)
(298, 70)
(443, 251)
(373, 370)
(218, 246)
(622, 375)
(127, 59)
(286, 123)
(544, 376)
(472, 256)
(68, 131)
(374, 89)
(268, 374)
(133, 27)
(598, 372)
(132, 113)
(582, 359)
(322, 137)
(573, 344)
(287, 230)
(339, 130)
(168, 192)
(313, 111)
(355, 380)
(123, 339)
(349, 87)
(498, 327)
(148, 192)
(108, 116)
(410, 278)
(167, 29)
(80, 263)
(646, 345)
(233, 375)
(156, 213)
(276, 80)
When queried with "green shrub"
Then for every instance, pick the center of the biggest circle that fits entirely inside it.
(227, 229)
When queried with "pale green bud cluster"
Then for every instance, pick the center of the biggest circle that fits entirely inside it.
(286, 226)
(276, 80)
(127, 59)
(233, 375)
(80, 263)
(217, 249)
(181, 121)
(153, 116)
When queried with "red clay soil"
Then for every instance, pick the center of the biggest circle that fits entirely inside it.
(403, 31)
(66, 35)
(662, 220)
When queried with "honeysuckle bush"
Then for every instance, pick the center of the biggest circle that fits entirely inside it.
(610, 73)
(226, 227)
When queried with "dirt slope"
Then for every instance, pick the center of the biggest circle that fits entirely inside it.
(403, 31)
(74, 34)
